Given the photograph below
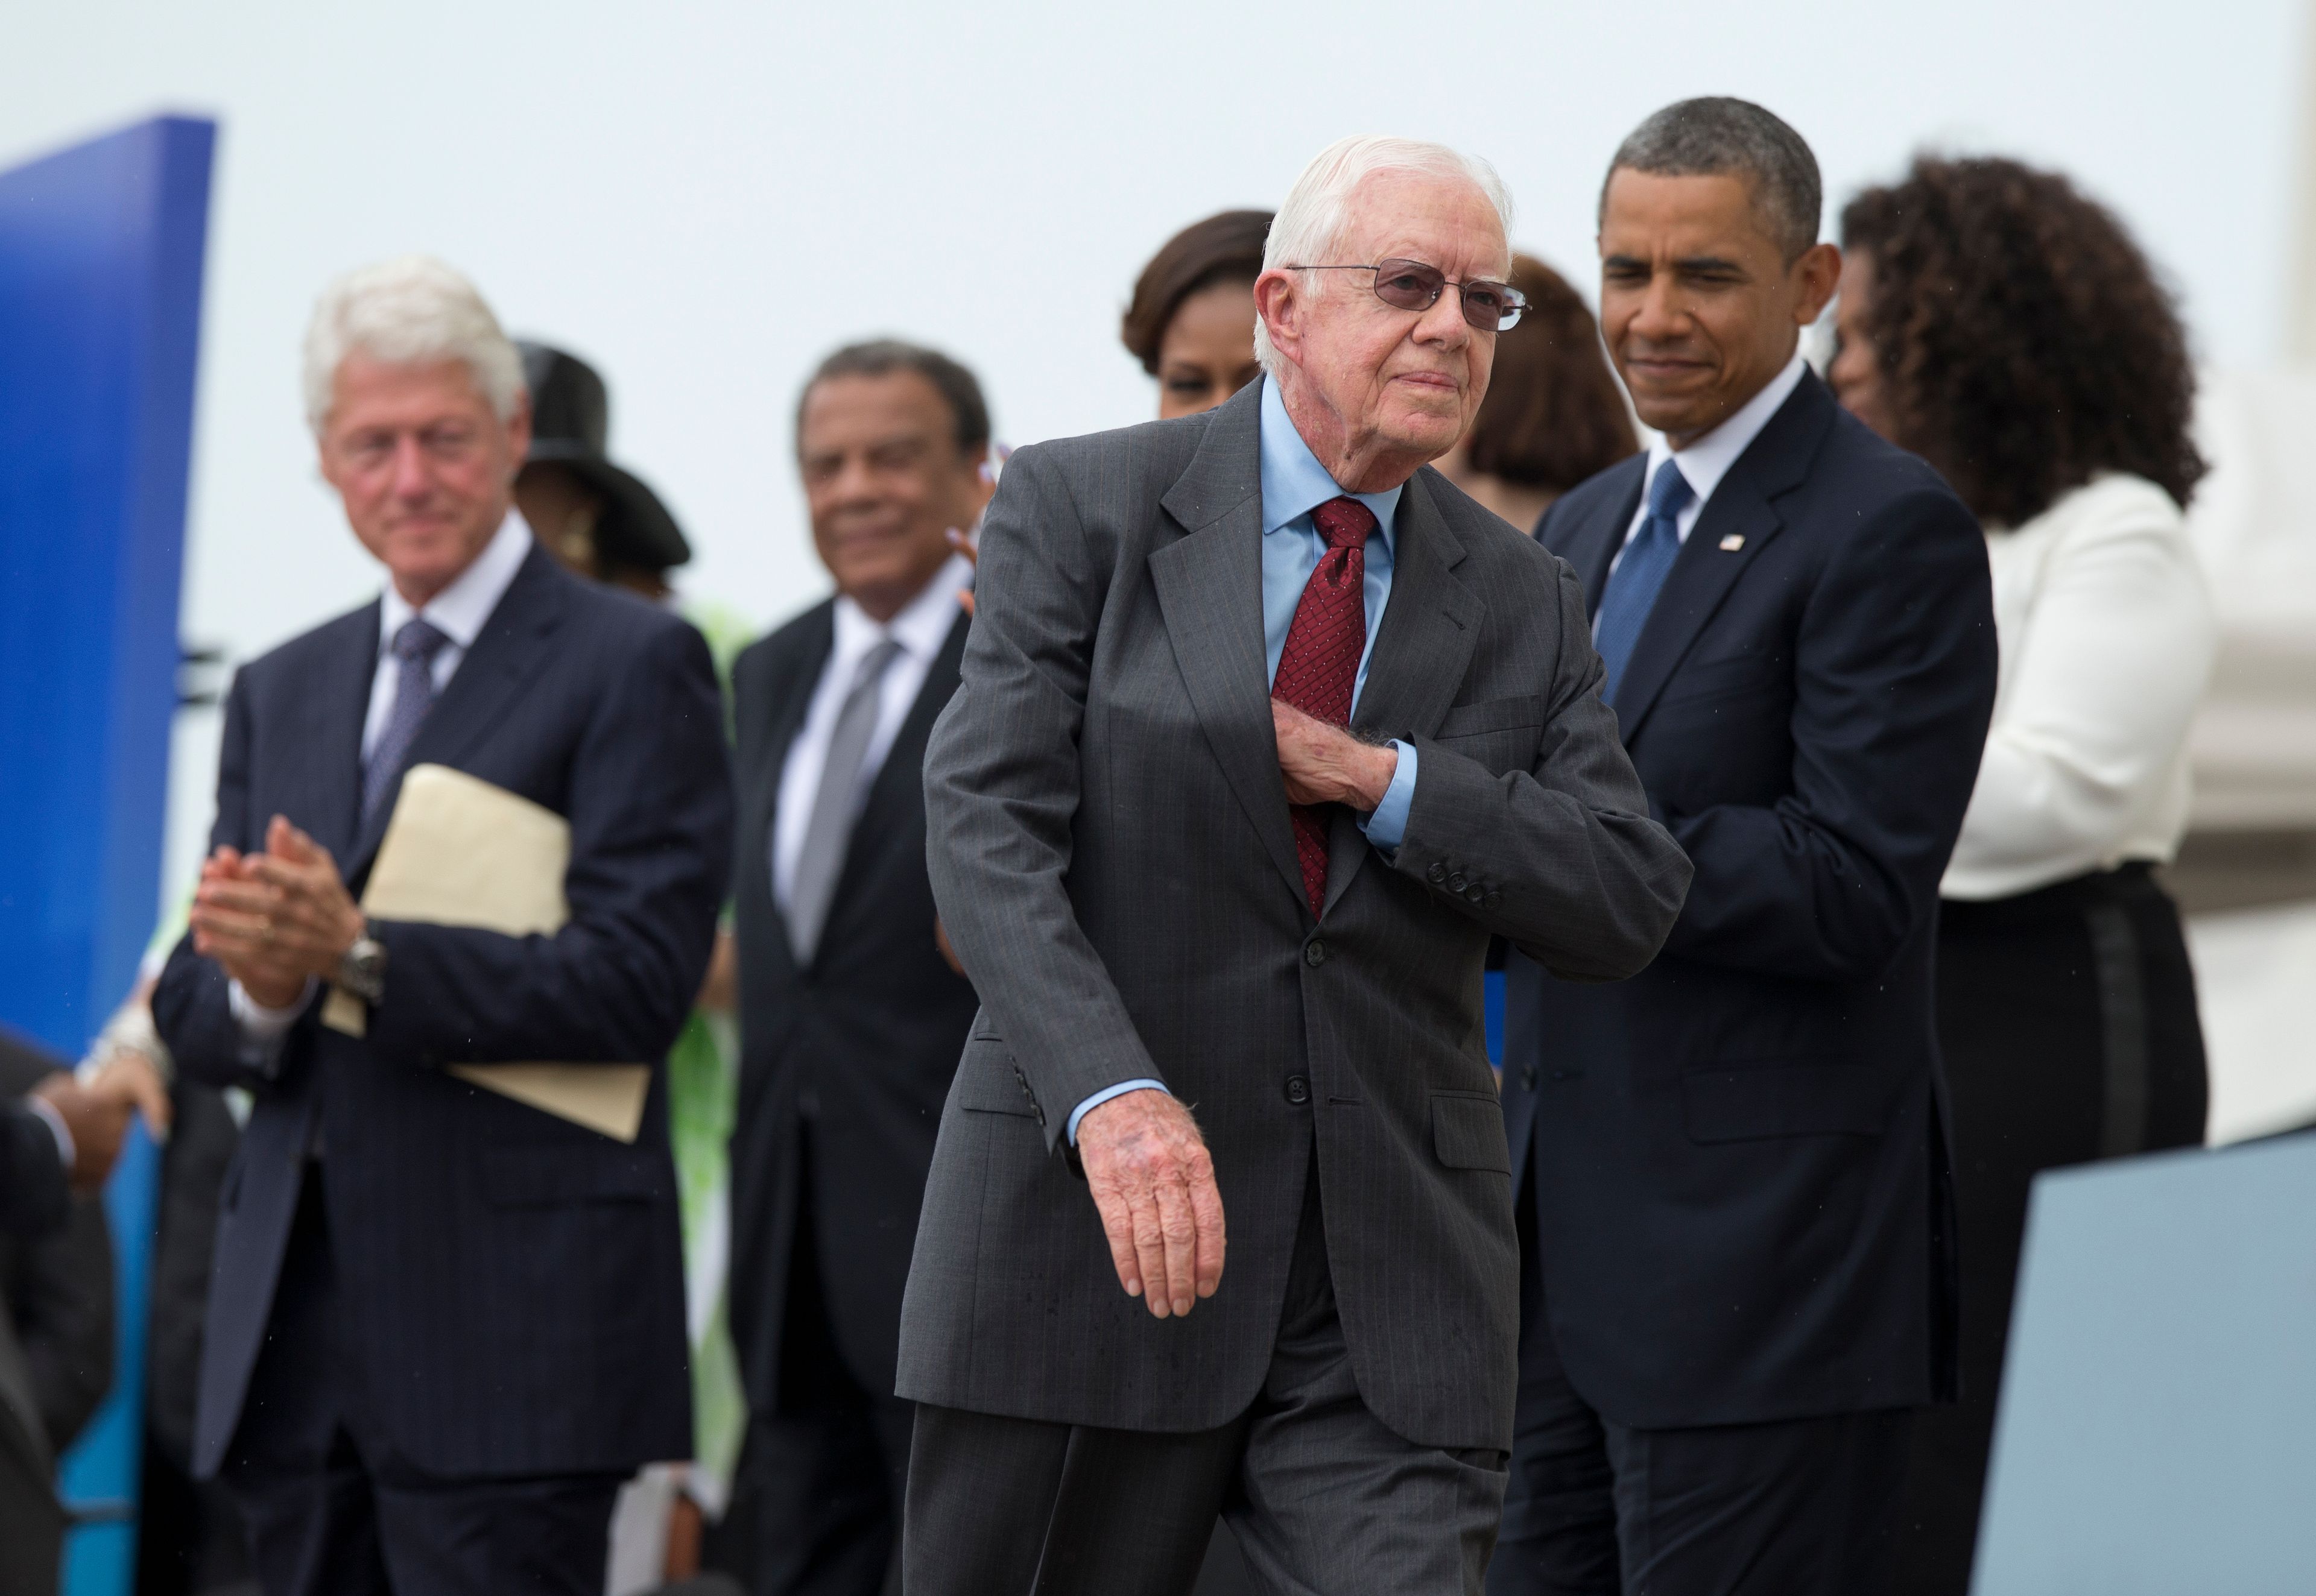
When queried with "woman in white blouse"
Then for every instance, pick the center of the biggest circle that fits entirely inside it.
(2006, 328)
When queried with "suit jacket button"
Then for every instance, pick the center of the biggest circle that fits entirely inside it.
(1491, 899)
(1315, 953)
(1474, 893)
(1298, 1090)
(1457, 883)
(1528, 1077)
(1437, 874)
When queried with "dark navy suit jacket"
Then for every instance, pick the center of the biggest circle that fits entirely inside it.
(512, 1283)
(873, 1029)
(1741, 1204)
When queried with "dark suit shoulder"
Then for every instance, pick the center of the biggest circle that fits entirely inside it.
(1859, 466)
(289, 660)
(1146, 453)
(791, 646)
(1501, 550)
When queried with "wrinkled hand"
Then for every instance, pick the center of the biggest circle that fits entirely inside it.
(98, 1120)
(1154, 1186)
(274, 919)
(1325, 764)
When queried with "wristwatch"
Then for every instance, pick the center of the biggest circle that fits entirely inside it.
(361, 971)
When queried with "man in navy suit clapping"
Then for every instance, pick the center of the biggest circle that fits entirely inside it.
(444, 1326)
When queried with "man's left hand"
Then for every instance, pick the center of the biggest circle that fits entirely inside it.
(1324, 763)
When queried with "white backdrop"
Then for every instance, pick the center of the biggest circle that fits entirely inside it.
(705, 198)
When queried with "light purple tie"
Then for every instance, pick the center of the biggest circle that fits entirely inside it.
(414, 648)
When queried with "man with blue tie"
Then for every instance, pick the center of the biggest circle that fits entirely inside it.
(1734, 1204)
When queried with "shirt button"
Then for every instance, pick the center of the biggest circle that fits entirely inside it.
(1457, 883)
(1298, 1090)
(1315, 953)
(1437, 874)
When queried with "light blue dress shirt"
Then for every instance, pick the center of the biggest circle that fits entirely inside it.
(1294, 485)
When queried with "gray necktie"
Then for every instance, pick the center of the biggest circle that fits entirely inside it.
(414, 648)
(837, 804)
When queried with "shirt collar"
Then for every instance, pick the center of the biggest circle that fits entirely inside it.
(921, 627)
(459, 610)
(1293, 482)
(1705, 462)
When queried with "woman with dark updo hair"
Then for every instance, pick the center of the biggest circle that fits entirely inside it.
(2005, 327)
(1192, 322)
(1553, 413)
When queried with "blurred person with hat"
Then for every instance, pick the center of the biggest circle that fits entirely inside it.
(445, 1325)
(607, 524)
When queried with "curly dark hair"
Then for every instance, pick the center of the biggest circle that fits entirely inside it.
(2028, 342)
(1224, 248)
(1553, 414)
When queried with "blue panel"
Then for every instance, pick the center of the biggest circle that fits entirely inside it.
(101, 256)
(2157, 1427)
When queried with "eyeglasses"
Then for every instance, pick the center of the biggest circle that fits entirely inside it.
(1411, 285)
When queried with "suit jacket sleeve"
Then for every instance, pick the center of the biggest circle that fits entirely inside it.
(1001, 790)
(1893, 685)
(34, 1195)
(1572, 868)
(650, 809)
(190, 1006)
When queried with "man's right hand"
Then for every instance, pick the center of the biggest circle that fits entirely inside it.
(97, 1119)
(1154, 1185)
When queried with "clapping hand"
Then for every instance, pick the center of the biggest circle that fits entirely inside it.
(277, 920)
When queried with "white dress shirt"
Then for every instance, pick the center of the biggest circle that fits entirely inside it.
(459, 612)
(1707, 459)
(2106, 636)
(920, 628)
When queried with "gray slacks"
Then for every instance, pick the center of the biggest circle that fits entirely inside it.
(1325, 1498)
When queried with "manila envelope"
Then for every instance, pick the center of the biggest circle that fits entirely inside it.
(459, 851)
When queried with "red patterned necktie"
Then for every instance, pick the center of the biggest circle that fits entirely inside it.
(1320, 661)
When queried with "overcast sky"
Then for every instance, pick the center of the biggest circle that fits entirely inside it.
(704, 198)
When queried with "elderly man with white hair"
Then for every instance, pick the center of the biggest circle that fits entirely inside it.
(443, 1323)
(1265, 730)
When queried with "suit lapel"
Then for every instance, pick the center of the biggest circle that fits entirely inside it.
(504, 660)
(1593, 547)
(334, 714)
(1430, 626)
(1209, 585)
(1738, 521)
(789, 694)
(897, 795)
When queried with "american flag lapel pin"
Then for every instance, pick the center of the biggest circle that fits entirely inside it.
(1732, 542)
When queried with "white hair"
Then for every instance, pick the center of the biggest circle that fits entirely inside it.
(1310, 224)
(408, 311)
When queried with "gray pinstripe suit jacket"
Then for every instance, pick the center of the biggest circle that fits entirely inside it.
(1109, 845)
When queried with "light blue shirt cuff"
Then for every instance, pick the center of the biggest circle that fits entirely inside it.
(1105, 1095)
(1387, 829)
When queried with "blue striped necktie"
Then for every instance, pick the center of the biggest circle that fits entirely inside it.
(1633, 586)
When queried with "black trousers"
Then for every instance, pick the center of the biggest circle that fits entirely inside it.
(825, 1467)
(2067, 1018)
(1807, 1507)
(332, 1509)
(1322, 1498)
